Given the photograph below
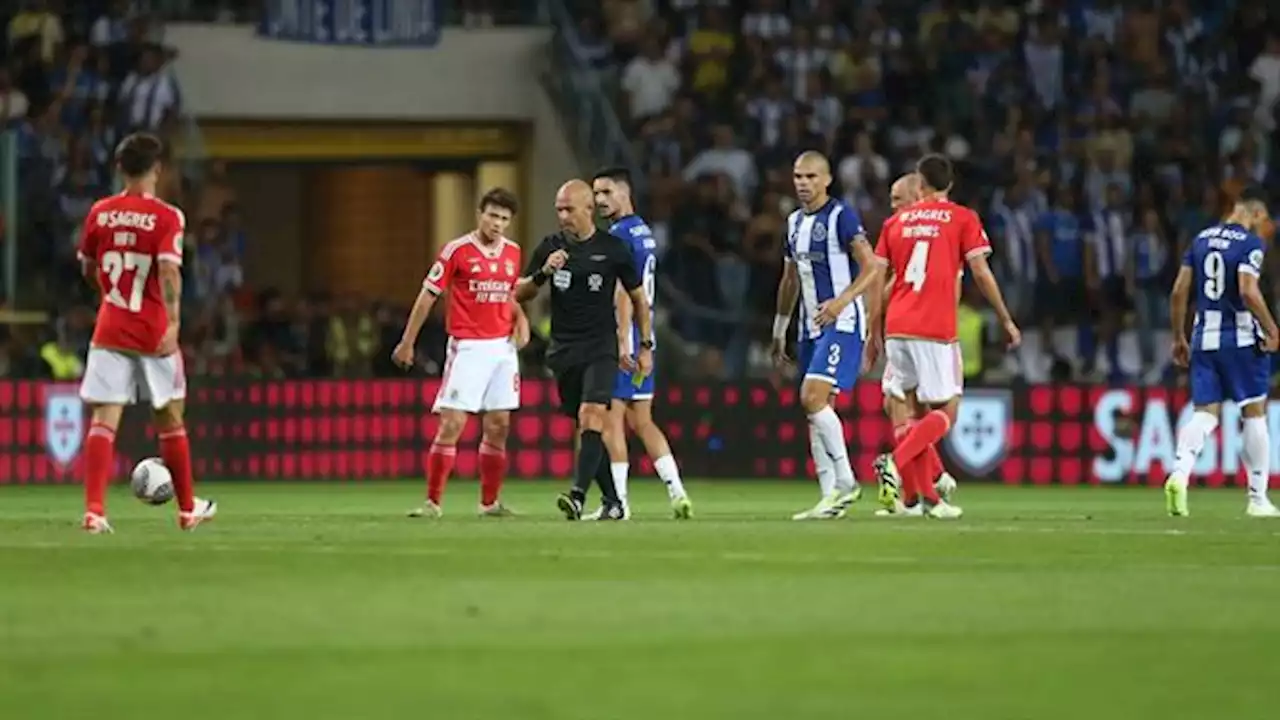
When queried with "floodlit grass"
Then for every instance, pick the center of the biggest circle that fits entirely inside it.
(323, 601)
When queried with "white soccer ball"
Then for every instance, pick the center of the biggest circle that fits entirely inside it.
(152, 482)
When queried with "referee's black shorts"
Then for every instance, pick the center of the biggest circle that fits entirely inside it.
(586, 381)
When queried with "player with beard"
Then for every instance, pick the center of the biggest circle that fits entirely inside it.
(633, 392)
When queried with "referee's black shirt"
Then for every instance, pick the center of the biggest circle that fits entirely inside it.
(583, 324)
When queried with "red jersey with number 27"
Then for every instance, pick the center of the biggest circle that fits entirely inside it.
(479, 279)
(126, 236)
(925, 246)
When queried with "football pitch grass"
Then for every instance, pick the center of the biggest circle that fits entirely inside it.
(324, 601)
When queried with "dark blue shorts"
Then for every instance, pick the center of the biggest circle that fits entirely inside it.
(1241, 375)
(832, 356)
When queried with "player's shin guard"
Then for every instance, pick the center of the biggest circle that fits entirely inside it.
(439, 466)
(1257, 457)
(822, 465)
(924, 433)
(1191, 440)
(99, 452)
(175, 450)
(669, 473)
(493, 469)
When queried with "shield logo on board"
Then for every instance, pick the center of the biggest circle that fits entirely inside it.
(63, 424)
(978, 441)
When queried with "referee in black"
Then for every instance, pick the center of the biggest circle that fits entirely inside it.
(583, 266)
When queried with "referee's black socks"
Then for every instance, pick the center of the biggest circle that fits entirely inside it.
(592, 465)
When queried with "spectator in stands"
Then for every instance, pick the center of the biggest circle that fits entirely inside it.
(77, 86)
(111, 27)
(13, 102)
(726, 157)
(148, 95)
(35, 21)
(1148, 286)
(650, 81)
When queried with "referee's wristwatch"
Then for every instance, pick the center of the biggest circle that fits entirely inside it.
(646, 344)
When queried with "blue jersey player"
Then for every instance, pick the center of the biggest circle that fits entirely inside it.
(826, 250)
(1228, 354)
(633, 392)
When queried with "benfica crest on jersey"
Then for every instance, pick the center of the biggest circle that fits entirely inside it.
(978, 440)
(63, 424)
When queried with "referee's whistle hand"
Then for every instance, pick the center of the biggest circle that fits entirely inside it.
(555, 261)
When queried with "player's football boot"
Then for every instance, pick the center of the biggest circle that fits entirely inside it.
(943, 511)
(598, 513)
(945, 486)
(1262, 508)
(204, 511)
(900, 510)
(826, 509)
(95, 524)
(890, 481)
(614, 511)
(496, 510)
(1175, 497)
(427, 509)
(682, 508)
(846, 498)
(570, 506)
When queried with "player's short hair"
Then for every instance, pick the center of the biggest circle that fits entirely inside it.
(1253, 194)
(138, 154)
(936, 171)
(616, 173)
(502, 198)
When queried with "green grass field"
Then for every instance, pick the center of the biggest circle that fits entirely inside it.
(323, 601)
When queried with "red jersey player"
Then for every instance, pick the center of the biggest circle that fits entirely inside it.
(131, 250)
(486, 330)
(924, 248)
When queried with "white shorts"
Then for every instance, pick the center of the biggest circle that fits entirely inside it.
(480, 375)
(931, 368)
(112, 377)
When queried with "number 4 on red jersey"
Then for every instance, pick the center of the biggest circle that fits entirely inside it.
(925, 247)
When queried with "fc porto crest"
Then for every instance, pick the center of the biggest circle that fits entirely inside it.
(63, 424)
(978, 440)
(819, 232)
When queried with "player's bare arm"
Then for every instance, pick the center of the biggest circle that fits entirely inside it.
(171, 292)
(788, 293)
(527, 287)
(520, 332)
(870, 270)
(403, 353)
(1251, 293)
(624, 312)
(986, 282)
(644, 356)
(1178, 299)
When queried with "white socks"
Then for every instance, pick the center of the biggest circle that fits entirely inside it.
(619, 472)
(825, 426)
(667, 471)
(1256, 454)
(1190, 442)
(822, 463)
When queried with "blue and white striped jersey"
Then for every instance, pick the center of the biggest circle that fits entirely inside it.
(819, 244)
(1217, 257)
(635, 231)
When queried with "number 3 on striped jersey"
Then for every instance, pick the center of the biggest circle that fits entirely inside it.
(916, 265)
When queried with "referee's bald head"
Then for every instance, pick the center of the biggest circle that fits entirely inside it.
(575, 207)
(904, 191)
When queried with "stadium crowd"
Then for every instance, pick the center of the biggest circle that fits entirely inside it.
(1094, 136)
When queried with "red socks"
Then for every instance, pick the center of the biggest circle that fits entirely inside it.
(924, 433)
(920, 473)
(439, 466)
(99, 453)
(176, 453)
(493, 468)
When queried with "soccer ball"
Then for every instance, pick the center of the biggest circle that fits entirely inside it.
(152, 482)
